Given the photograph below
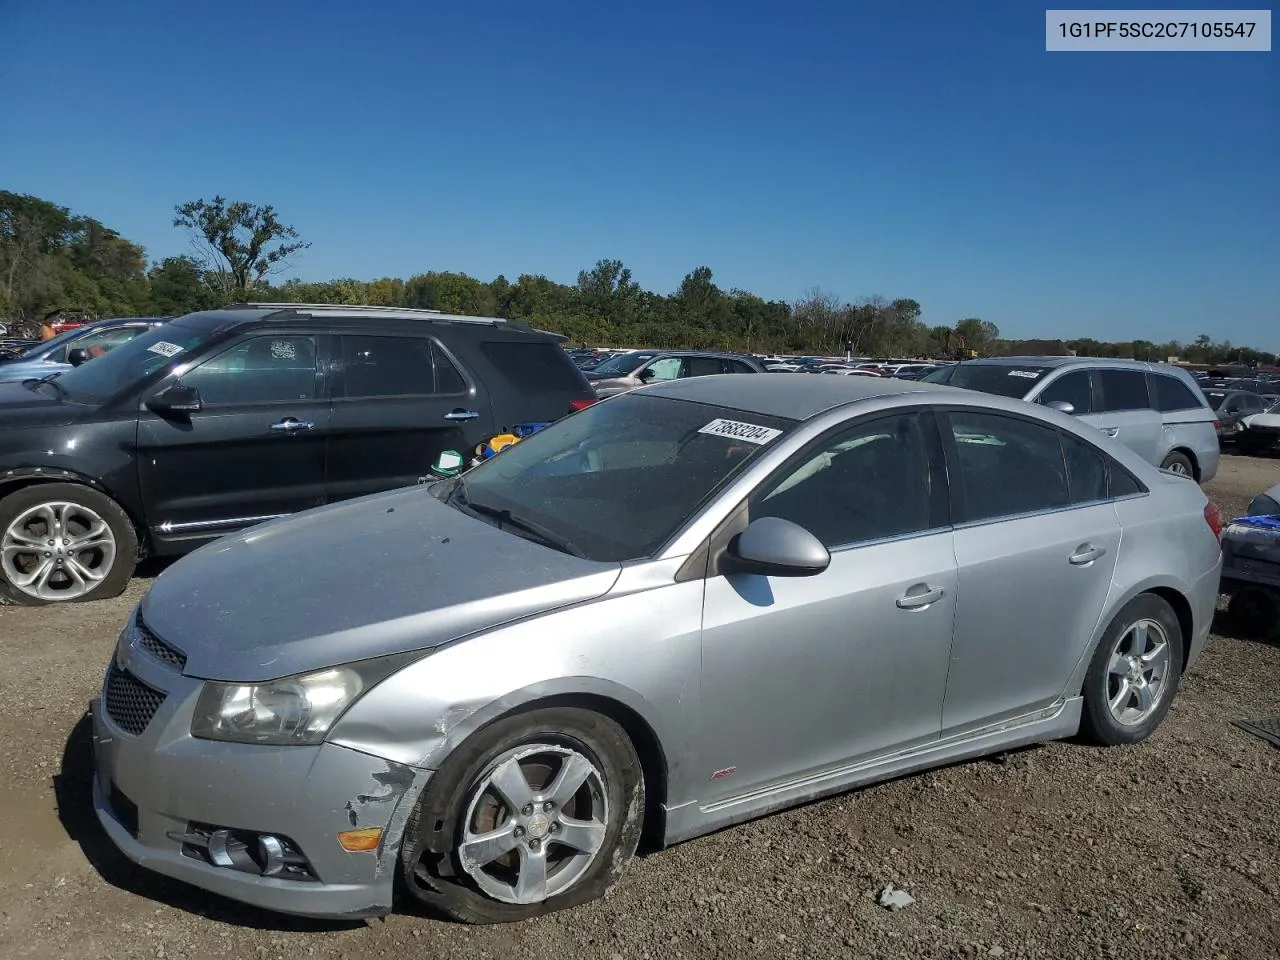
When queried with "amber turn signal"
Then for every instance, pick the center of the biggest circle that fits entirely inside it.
(353, 841)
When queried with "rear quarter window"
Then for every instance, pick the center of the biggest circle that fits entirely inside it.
(533, 366)
(1123, 390)
(1169, 394)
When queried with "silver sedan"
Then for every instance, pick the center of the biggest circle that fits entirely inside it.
(676, 610)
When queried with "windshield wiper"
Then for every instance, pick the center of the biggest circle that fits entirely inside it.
(506, 518)
(32, 382)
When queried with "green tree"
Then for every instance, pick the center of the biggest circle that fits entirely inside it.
(979, 335)
(239, 244)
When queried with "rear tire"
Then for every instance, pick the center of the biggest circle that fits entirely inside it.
(64, 543)
(526, 856)
(1134, 674)
(1179, 463)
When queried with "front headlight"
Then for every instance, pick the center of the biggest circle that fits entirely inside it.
(292, 710)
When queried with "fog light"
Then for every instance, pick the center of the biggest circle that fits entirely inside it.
(354, 841)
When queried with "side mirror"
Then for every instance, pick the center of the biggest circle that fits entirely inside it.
(776, 548)
(175, 399)
(1068, 408)
(646, 374)
(77, 356)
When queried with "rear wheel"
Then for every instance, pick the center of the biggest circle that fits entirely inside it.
(61, 542)
(1178, 463)
(1134, 673)
(535, 813)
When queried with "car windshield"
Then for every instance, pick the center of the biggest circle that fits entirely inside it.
(128, 363)
(622, 364)
(617, 480)
(1002, 379)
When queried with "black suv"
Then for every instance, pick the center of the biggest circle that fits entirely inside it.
(219, 420)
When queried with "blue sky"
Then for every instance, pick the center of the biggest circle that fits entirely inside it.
(929, 150)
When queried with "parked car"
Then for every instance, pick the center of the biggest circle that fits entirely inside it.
(219, 420)
(1261, 430)
(686, 606)
(1231, 407)
(58, 355)
(639, 367)
(1154, 409)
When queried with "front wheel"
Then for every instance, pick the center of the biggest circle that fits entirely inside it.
(62, 542)
(535, 813)
(1134, 673)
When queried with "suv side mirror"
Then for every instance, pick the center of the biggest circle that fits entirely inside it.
(77, 356)
(1061, 405)
(776, 548)
(646, 374)
(175, 399)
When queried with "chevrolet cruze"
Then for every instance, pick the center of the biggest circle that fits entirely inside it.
(676, 610)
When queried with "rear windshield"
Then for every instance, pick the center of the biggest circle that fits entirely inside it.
(1002, 379)
(535, 367)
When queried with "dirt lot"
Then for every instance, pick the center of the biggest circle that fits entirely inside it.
(1169, 849)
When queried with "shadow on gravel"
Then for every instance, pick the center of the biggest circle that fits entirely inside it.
(73, 790)
(1227, 627)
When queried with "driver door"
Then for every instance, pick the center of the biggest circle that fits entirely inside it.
(805, 674)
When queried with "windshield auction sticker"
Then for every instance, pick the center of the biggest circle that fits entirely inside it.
(748, 432)
(165, 349)
(1028, 374)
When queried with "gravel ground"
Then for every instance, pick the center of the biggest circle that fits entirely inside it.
(1163, 850)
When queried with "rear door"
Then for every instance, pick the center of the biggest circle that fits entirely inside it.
(399, 401)
(1125, 411)
(1035, 545)
(255, 449)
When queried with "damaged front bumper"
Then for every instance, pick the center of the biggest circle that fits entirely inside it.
(258, 824)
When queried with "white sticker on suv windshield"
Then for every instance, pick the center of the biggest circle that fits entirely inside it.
(1029, 374)
(164, 348)
(750, 432)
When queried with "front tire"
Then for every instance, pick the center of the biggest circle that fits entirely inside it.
(535, 813)
(61, 543)
(1134, 673)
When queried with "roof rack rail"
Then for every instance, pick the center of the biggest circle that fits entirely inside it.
(359, 310)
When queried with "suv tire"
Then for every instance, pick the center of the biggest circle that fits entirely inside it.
(64, 542)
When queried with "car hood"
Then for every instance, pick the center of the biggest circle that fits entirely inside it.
(384, 574)
(21, 407)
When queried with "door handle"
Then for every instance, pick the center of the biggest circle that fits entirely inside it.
(1111, 431)
(461, 415)
(291, 425)
(1086, 553)
(918, 601)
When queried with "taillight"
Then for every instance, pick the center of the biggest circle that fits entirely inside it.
(576, 405)
(1217, 425)
(1213, 517)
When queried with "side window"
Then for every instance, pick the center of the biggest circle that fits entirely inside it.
(1253, 404)
(1008, 466)
(668, 368)
(1086, 470)
(870, 482)
(736, 366)
(1123, 390)
(387, 367)
(702, 366)
(528, 365)
(1170, 393)
(1122, 482)
(449, 379)
(260, 370)
(1073, 388)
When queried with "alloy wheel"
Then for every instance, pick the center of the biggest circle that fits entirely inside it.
(1136, 672)
(57, 551)
(534, 823)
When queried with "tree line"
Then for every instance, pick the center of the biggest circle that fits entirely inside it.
(53, 261)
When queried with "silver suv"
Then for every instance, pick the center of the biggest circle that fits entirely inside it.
(627, 371)
(1155, 409)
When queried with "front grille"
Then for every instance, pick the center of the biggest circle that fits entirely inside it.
(157, 649)
(130, 703)
(124, 810)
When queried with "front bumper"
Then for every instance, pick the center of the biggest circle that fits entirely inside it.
(150, 789)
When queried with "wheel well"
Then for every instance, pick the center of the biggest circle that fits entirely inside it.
(1182, 609)
(1190, 455)
(653, 761)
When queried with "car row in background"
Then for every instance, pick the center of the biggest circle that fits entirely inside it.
(216, 421)
(71, 348)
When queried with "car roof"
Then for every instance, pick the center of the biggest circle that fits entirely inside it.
(1053, 362)
(792, 398)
